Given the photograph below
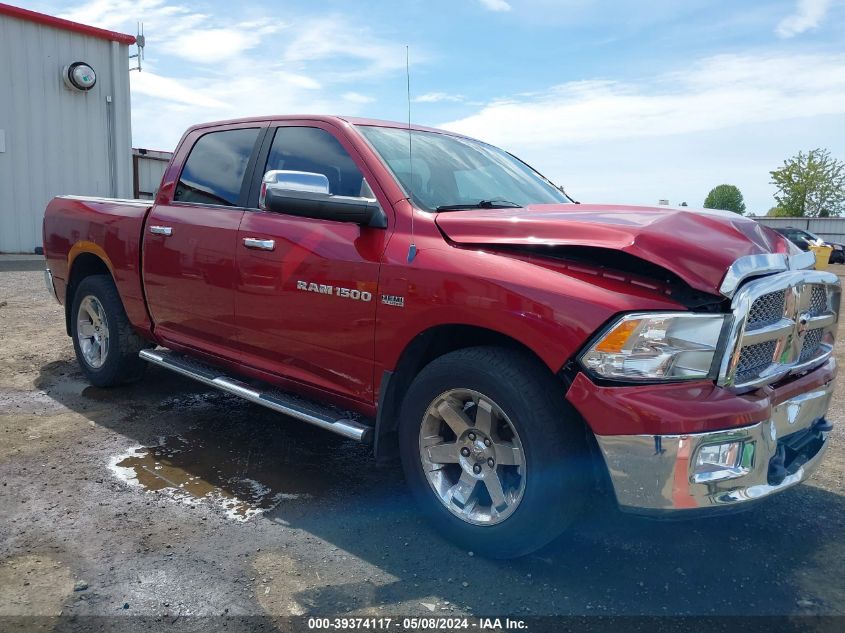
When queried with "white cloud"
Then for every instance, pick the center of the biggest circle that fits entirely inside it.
(334, 39)
(215, 45)
(728, 118)
(159, 115)
(807, 15)
(176, 29)
(436, 97)
(495, 5)
(158, 87)
(164, 20)
(357, 97)
(718, 92)
(202, 67)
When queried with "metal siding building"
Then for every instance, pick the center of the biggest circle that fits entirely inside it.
(148, 167)
(53, 139)
(832, 229)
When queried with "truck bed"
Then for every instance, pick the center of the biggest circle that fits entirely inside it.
(109, 228)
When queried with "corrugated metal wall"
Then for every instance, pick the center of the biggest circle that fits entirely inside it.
(148, 166)
(57, 140)
(832, 229)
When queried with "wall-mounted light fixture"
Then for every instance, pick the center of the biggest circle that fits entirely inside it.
(79, 76)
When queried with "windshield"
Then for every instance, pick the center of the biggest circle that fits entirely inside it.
(448, 171)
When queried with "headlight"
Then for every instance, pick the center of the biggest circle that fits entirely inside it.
(657, 346)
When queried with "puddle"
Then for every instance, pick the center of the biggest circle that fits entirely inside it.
(243, 476)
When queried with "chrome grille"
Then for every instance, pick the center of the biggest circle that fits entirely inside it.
(783, 323)
(812, 340)
(767, 309)
(754, 358)
(818, 300)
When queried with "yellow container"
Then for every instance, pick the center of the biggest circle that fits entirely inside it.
(822, 256)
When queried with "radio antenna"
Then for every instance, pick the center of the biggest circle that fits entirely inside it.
(412, 247)
(140, 41)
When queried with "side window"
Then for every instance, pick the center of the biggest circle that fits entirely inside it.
(214, 171)
(314, 150)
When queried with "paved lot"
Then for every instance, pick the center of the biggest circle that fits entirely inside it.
(232, 509)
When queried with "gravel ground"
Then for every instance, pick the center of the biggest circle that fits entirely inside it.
(165, 500)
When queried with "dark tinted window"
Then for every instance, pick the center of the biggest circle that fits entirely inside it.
(214, 171)
(795, 236)
(314, 150)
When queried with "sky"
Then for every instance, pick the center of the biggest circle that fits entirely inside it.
(625, 101)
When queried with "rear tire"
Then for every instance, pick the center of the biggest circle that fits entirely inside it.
(493, 454)
(106, 346)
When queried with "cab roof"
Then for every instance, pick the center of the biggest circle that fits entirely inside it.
(340, 121)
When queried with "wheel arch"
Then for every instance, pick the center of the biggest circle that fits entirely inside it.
(425, 347)
(84, 264)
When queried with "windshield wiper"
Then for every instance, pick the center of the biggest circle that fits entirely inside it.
(481, 204)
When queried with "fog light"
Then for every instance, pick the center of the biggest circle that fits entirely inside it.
(723, 461)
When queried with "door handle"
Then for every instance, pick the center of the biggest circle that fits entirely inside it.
(259, 244)
(161, 230)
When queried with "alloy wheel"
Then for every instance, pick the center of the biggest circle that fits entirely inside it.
(472, 457)
(92, 331)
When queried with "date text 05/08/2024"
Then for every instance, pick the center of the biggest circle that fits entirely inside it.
(417, 623)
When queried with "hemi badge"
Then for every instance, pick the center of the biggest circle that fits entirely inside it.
(393, 300)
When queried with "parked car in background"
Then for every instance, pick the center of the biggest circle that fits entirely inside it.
(520, 353)
(804, 239)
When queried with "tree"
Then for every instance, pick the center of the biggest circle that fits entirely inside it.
(811, 184)
(725, 197)
(778, 212)
(683, 204)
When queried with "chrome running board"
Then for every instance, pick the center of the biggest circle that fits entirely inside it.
(325, 417)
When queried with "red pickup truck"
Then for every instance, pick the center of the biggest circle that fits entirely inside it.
(437, 297)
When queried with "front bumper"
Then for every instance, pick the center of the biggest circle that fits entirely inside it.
(657, 474)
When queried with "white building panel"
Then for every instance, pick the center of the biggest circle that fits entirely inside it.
(148, 167)
(832, 229)
(58, 140)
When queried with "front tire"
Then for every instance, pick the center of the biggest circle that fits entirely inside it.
(106, 346)
(492, 452)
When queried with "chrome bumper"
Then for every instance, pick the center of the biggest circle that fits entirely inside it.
(656, 474)
(51, 287)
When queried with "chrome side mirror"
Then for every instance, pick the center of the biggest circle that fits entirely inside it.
(291, 181)
(307, 194)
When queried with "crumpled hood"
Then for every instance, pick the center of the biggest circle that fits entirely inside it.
(697, 245)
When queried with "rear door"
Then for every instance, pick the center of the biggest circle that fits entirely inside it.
(306, 308)
(189, 241)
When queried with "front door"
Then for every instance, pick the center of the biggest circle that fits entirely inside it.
(189, 243)
(306, 309)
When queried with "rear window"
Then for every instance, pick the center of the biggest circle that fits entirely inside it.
(214, 171)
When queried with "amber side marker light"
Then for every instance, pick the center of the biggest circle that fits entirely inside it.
(614, 341)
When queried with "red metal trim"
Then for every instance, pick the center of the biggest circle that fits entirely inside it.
(66, 25)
